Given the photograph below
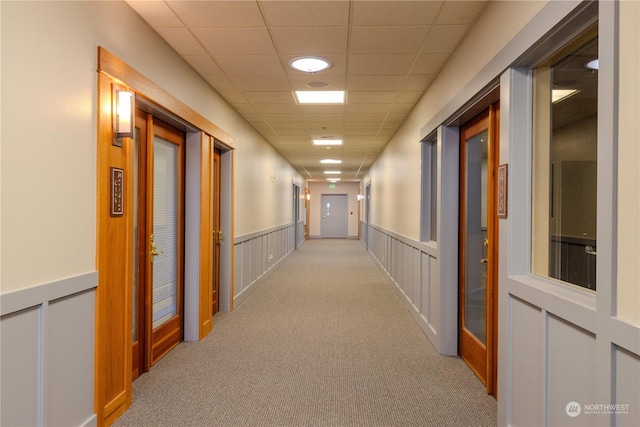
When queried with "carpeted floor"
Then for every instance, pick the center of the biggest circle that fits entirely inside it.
(323, 341)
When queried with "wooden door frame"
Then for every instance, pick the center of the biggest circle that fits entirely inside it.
(488, 119)
(114, 247)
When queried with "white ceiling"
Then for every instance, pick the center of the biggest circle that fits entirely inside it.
(384, 54)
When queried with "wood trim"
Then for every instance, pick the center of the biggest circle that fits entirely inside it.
(113, 299)
(206, 237)
(494, 237)
(118, 70)
(231, 232)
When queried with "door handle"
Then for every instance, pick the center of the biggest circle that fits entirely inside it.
(217, 236)
(154, 250)
(220, 235)
(484, 261)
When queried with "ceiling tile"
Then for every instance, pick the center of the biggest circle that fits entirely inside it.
(461, 12)
(362, 83)
(324, 118)
(181, 40)
(411, 96)
(216, 14)
(277, 108)
(387, 39)
(371, 97)
(322, 109)
(250, 65)
(444, 38)
(203, 64)
(381, 63)
(368, 108)
(258, 83)
(430, 63)
(418, 82)
(401, 108)
(288, 118)
(235, 41)
(221, 83)
(306, 14)
(233, 97)
(312, 41)
(388, 12)
(270, 97)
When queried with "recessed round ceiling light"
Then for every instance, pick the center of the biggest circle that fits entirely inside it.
(310, 64)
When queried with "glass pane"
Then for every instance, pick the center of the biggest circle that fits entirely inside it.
(475, 286)
(565, 167)
(433, 148)
(165, 230)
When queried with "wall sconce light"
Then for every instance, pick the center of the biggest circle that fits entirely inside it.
(308, 196)
(125, 106)
(360, 197)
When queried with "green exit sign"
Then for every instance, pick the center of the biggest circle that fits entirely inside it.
(332, 186)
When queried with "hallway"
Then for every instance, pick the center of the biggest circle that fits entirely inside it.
(324, 341)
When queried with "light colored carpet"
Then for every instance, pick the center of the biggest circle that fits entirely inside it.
(324, 341)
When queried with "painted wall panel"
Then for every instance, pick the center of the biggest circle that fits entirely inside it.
(69, 359)
(21, 337)
(246, 265)
(238, 271)
(627, 388)
(572, 369)
(526, 326)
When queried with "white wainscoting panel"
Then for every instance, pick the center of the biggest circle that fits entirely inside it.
(526, 373)
(256, 255)
(571, 369)
(48, 353)
(414, 269)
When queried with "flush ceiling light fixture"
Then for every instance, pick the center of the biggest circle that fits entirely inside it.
(333, 179)
(332, 172)
(331, 161)
(310, 64)
(593, 64)
(320, 96)
(327, 142)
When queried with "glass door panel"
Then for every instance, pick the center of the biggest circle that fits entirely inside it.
(165, 231)
(476, 238)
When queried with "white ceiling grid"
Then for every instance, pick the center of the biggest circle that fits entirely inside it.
(384, 54)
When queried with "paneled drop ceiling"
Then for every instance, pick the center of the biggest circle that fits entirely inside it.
(384, 54)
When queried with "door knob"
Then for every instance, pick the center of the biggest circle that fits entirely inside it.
(484, 261)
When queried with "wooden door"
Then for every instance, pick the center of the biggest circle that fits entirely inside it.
(158, 238)
(217, 233)
(477, 294)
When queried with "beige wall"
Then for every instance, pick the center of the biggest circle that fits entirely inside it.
(48, 163)
(628, 166)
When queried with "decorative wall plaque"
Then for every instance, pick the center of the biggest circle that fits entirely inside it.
(117, 192)
(503, 186)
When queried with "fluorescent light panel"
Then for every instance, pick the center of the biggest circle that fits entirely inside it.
(327, 142)
(558, 95)
(320, 96)
(331, 161)
(332, 172)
